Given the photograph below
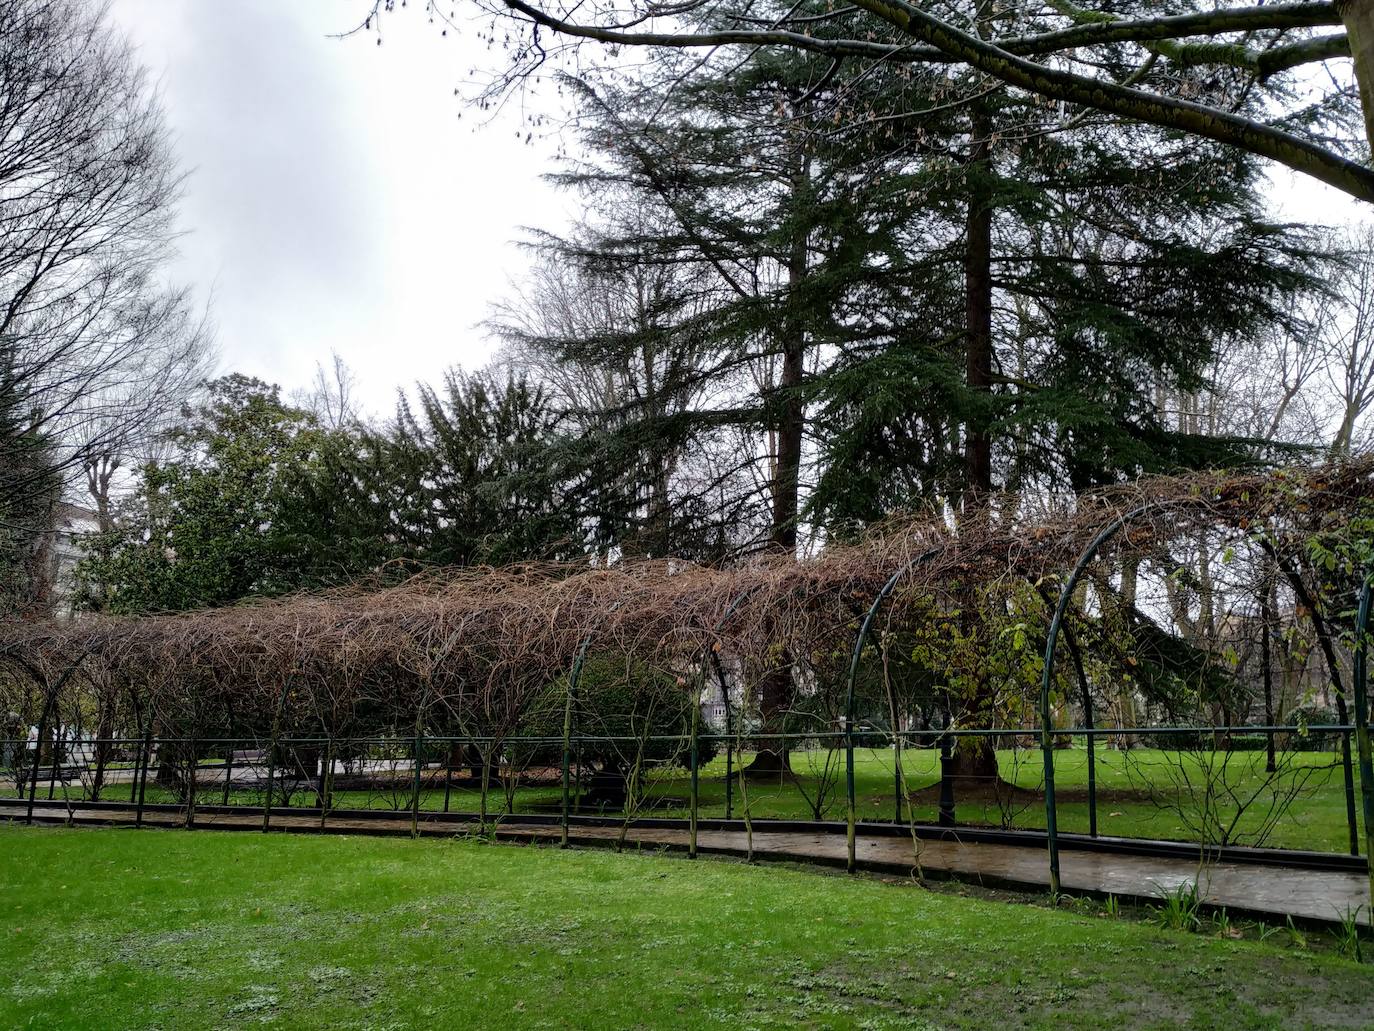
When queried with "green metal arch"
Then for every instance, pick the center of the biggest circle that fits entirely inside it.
(1047, 676)
(885, 592)
(706, 650)
(1360, 676)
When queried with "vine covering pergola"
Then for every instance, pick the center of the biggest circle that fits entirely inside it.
(468, 653)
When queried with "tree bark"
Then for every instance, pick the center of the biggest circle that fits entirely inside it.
(978, 309)
(1358, 18)
(776, 687)
(976, 757)
(1266, 668)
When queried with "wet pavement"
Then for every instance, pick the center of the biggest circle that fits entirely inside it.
(1245, 889)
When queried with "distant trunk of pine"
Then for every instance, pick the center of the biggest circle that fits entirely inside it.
(1267, 668)
(658, 539)
(776, 686)
(975, 758)
(978, 310)
(1358, 18)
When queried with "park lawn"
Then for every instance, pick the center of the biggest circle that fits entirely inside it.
(174, 929)
(1169, 809)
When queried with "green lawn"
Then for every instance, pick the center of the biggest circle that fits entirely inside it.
(1142, 793)
(168, 929)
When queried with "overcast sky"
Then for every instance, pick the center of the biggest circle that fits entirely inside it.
(336, 199)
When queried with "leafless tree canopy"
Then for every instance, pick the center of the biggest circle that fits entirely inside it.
(91, 338)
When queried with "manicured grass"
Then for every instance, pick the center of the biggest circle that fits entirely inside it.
(1142, 793)
(167, 929)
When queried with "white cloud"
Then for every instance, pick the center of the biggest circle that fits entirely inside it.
(336, 199)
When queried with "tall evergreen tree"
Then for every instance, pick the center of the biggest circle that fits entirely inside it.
(29, 487)
(475, 481)
(924, 287)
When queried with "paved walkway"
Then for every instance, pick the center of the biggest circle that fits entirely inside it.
(1253, 889)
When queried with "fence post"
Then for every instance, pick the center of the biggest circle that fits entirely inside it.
(1362, 727)
(569, 700)
(272, 754)
(694, 759)
(141, 777)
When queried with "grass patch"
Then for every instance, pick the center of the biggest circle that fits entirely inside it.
(120, 928)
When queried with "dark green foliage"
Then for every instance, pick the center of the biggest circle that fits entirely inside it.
(822, 210)
(258, 499)
(29, 487)
(622, 711)
(473, 478)
(1122, 259)
(205, 526)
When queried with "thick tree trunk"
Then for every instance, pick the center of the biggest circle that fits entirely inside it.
(1358, 18)
(976, 758)
(978, 296)
(776, 686)
(1266, 668)
(978, 316)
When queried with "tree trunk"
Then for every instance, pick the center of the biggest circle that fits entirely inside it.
(1266, 668)
(975, 758)
(776, 686)
(978, 299)
(1358, 18)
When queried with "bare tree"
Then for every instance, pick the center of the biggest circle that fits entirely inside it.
(616, 336)
(133, 413)
(94, 345)
(332, 395)
(1347, 338)
(1263, 388)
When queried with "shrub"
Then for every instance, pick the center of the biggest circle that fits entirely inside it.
(648, 710)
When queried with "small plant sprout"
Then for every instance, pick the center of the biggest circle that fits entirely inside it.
(1181, 909)
(1295, 937)
(1350, 935)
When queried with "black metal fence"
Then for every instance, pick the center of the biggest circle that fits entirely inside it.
(1288, 787)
